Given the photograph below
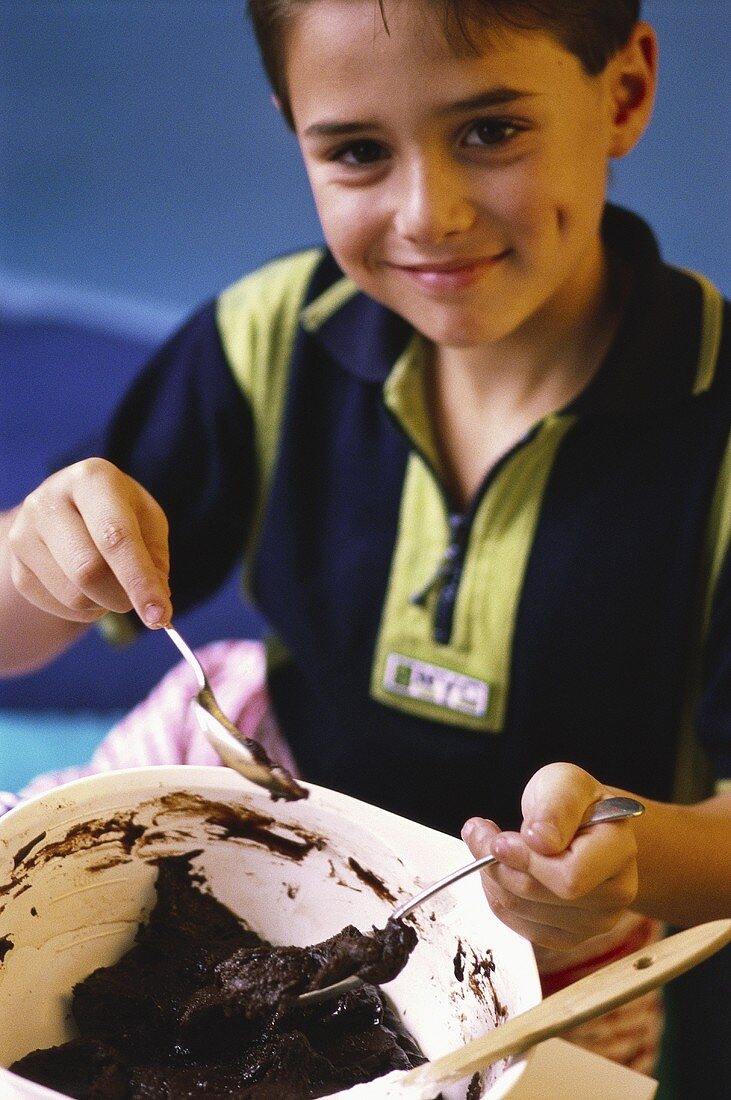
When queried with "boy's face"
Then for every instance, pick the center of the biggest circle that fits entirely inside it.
(464, 192)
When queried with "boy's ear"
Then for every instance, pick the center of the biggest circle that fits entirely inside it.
(632, 74)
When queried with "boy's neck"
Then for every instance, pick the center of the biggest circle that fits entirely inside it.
(556, 353)
(483, 400)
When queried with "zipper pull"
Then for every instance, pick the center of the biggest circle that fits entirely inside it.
(446, 563)
(418, 599)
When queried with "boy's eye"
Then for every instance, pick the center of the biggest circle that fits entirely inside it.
(490, 131)
(360, 152)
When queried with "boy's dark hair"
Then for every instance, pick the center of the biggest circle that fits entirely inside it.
(592, 30)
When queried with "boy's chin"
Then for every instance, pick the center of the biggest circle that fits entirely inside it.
(463, 334)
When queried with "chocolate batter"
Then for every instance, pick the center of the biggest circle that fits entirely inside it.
(201, 1006)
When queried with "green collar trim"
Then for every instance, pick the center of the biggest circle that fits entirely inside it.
(405, 396)
(711, 330)
(317, 312)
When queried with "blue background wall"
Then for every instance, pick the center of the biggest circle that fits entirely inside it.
(145, 158)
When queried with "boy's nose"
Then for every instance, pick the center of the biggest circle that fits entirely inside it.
(432, 204)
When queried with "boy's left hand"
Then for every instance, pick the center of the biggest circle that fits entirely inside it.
(552, 885)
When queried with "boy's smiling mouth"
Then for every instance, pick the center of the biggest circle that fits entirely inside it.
(454, 274)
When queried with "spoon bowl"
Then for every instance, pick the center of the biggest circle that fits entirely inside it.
(244, 755)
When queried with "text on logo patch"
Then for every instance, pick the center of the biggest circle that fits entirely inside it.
(436, 685)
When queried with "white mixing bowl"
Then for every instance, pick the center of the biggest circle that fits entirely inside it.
(77, 876)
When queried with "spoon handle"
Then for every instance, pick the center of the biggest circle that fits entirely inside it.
(608, 809)
(188, 653)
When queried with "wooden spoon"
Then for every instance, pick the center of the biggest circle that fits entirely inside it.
(599, 992)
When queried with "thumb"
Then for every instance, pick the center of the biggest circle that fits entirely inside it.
(554, 803)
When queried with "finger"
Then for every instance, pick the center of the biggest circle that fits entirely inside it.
(115, 531)
(478, 834)
(541, 935)
(574, 920)
(512, 883)
(72, 549)
(523, 874)
(511, 875)
(613, 895)
(74, 609)
(554, 803)
(153, 526)
(39, 578)
(594, 859)
(521, 891)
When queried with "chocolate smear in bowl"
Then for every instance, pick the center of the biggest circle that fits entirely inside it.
(198, 1007)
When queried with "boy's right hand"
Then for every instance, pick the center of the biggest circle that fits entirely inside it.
(89, 540)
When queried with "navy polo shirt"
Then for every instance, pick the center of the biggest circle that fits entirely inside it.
(424, 659)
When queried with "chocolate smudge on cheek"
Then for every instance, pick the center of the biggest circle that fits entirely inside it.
(6, 944)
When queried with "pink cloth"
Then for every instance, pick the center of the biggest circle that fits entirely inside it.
(163, 728)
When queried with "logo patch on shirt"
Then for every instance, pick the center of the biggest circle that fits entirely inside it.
(436, 685)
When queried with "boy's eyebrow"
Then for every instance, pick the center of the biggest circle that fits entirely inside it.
(496, 97)
(337, 129)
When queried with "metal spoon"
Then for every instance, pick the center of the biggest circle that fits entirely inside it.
(244, 755)
(608, 809)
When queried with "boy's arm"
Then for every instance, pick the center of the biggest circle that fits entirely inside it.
(88, 540)
(684, 860)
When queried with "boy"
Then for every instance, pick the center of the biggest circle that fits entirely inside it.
(475, 456)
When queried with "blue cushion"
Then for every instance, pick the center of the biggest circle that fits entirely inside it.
(31, 743)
